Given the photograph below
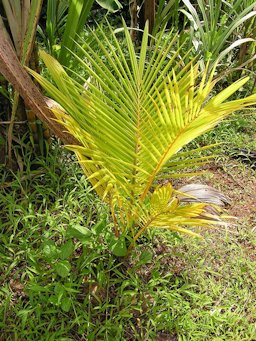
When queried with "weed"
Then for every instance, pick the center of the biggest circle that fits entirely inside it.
(60, 281)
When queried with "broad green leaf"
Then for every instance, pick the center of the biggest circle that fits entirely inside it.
(80, 232)
(53, 300)
(100, 226)
(110, 5)
(66, 249)
(59, 289)
(118, 247)
(145, 257)
(50, 250)
(66, 304)
(77, 15)
(38, 288)
(63, 268)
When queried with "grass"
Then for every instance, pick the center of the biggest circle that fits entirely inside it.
(59, 281)
(236, 132)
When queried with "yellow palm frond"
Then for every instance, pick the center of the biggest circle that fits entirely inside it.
(133, 119)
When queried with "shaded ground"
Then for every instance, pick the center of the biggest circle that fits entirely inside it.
(238, 182)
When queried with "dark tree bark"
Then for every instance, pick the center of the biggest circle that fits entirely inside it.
(148, 12)
(133, 4)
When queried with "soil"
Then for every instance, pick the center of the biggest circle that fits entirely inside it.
(238, 183)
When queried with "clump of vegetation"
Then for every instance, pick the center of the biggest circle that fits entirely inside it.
(132, 121)
(135, 106)
(59, 279)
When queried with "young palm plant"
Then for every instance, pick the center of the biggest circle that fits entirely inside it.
(132, 119)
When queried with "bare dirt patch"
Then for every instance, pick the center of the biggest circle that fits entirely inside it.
(239, 184)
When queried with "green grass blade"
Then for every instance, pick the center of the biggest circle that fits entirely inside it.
(77, 15)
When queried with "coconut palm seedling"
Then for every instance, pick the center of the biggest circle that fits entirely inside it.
(133, 119)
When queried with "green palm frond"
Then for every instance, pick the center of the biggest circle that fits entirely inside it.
(136, 114)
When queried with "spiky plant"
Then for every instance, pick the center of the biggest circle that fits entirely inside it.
(133, 119)
(218, 26)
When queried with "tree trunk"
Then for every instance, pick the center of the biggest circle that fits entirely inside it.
(12, 70)
(148, 12)
(141, 12)
(134, 19)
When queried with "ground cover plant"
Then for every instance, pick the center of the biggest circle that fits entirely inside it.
(57, 285)
(65, 273)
